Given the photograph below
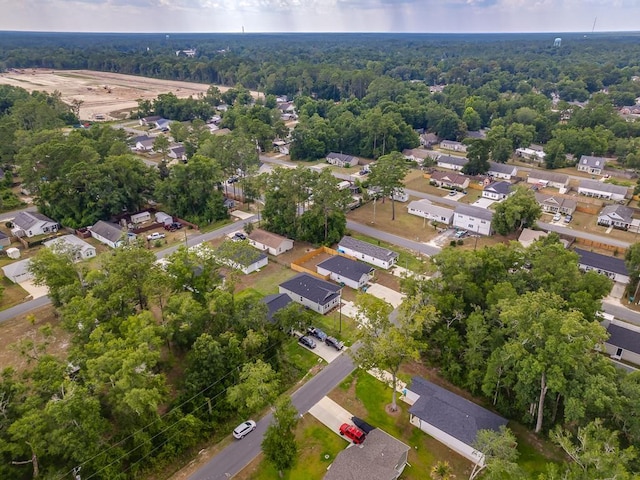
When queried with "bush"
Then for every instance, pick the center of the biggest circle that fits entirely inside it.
(452, 243)
(460, 241)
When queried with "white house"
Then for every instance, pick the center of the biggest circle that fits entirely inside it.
(449, 180)
(313, 292)
(618, 216)
(30, 224)
(18, 272)
(502, 170)
(345, 271)
(473, 219)
(533, 154)
(623, 342)
(425, 209)
(241, 257)
(449, 418)
(592, 188)
(451, 145)
(419, 155)
(612, 267)
(270, 242)
(451, 163)
(177, 152)
(592, 165)
(497, 191)
(556, 204)
(79, 249)
(373, 254)
(109, 233)
(144, 143)
(548, 179)
(341, 159)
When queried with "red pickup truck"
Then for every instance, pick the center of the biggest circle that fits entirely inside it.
(353, 433)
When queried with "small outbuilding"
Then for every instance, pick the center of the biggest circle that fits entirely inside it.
(141, 217)
(164, 218)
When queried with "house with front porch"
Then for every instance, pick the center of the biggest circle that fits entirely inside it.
(592, 165)
(617, 216)
(556, 204)
(426, 209)
(608, 191)
(497, 191)
(449, 180)
(30, 224)
(451, 163)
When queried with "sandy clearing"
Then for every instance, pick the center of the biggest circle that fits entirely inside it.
(105, 96)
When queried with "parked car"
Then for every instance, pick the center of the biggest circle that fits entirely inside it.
(568, 219)
(307, 342)
(461, 233)
(453, 193)
(353, 433)
(244, 428)
(155, 236)
(172, 227)
(557, 217)
(239, 236)
(334, 342)
(316, 332)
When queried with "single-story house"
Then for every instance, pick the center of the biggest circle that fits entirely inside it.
(341, 159)
(449, 180)
(379, 457)
(592, 188)
(5, 241)
(177, 152)
(612, 267)
(451, 163)
(399, 195)
(618, 216)
(451, 145)
(145, 143)
(548, 179)
(425, 209)
(473, 219)
(528, 153)
(140, 217)
(623, 342)
(502, 170)
(30, 224)
(428, 139)
(109, 233)
(242, 257)
(150, 120)
(418, 155)
(476, 134)
(164, 218)
(592, 165)
(528, 236)
(556, 204)
(343, 270)
(270, 242)
(275, 302)
(18, 272)
(80, 249)
(497, 190)
(312, 292)
(450, 418)
(367, 252)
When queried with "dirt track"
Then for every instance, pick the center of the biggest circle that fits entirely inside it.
(105, 96)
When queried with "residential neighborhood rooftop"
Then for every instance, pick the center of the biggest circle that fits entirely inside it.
(110, 231)
(275, 302)
(603, 187)
(312, 288)
(549, 176)
(477, 212)
(346, 267)
(625, 338)
(602, 262)
(26, 220)
(367, 248)
(272, 240)
(453, 160)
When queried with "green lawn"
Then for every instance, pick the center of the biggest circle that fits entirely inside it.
(405, 259)
(331, 324)
(266, 282)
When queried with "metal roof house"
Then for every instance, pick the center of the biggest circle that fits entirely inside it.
(612, 267)
(341, 269)
(373, 254)
(380, 457)
(317, 294)
(450, 418)
(474, 219)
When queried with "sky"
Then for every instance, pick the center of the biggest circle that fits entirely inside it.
(420, 16)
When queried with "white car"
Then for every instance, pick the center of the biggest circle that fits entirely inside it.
(557, 217)
(244, 428)
(155, 236)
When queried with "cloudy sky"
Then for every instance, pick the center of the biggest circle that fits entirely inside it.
(436, 16)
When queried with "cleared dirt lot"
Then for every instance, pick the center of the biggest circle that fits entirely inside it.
(105, 96)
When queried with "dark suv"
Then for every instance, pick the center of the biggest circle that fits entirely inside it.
(316, 332)
(334, 342)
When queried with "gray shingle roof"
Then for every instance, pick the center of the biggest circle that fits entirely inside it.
(351, 269)
(477, 212)
(26, 220)
(603, 187)
(452, 160)
(593, 162)
(501, 168)
(110, 231)
(549, 176)
(623, 212)
(602, 262)
(341, 156)
(451, 413)
(426, 206)
(624, 338)
(503, 188)
(375, 459)
(368, 249)
(312, 288)
(275, 302)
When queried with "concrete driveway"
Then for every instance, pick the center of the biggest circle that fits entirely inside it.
(349, 309)
(36, 291)
(331, 414)
(386, 294)
(483, 202)
(323, 351)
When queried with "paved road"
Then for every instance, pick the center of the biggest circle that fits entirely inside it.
(236, 456)
(392, 239)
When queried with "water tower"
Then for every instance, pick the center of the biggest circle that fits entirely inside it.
(557, 42)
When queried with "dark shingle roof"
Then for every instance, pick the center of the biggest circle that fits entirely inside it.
(503, 188)
(450, 159)
(341, 156)
(451, 413)
(501, 168)
(110, 231)
(602, 262)
(624, 338)
(312, 288)
(593, 162)
(346, 267)
(275, 302)
(603, 187)
(26, 220)
(368, 249)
